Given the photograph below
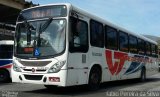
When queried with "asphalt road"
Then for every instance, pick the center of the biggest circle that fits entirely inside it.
(127, 88)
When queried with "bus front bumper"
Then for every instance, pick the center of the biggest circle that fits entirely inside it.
(57, 79)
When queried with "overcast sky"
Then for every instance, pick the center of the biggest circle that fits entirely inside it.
(138, 16)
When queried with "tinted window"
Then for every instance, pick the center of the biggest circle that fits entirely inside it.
(111, 38)
(141, 47)
(154, 50)
(148, 48)
(78, 35)
(132, 44)
(123, 41)
(97, 35)
(6, 51)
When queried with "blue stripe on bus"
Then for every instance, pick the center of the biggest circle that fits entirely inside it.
(134, 69)
(135, 66)
(4, 62)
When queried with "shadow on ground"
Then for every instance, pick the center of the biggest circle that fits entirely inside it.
(83, 90)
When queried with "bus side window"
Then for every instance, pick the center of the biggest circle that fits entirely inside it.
(96, 34)
(148, 49)
(111, 38)
(154, 50)
(78, 35)
(123, 41)
(6, 51)
(157, 51)
(141, 47)
(133, 44)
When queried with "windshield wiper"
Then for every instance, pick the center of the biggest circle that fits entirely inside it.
(45, 25)
(29, 27)
(41, 29)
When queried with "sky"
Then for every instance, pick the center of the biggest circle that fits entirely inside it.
(138, 16)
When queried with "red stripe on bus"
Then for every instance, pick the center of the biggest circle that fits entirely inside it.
(116, 63)
(6, 66)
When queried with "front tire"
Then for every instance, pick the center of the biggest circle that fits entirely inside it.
(94, 78)
(4, 75)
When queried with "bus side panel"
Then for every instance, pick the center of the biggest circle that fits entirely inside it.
(152, 67)
(155, 66)
(106, 73)
(132, 69)
(148, 69)
(77, 69)
(98, 57)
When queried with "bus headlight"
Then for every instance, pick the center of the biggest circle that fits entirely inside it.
(56, 67)
(16, 68)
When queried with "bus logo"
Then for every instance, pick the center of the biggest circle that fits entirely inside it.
(33, 70)
(116, 63)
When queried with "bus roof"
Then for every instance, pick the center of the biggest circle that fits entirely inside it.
(6, 42)
(93, 16)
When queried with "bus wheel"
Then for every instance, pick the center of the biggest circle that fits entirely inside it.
(4, 75)
(143, 75)
(94, 78)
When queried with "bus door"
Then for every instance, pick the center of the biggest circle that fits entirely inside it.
(78, 51)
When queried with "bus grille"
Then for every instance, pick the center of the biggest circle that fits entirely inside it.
(33, 77)
(35, 63)
(37, 70)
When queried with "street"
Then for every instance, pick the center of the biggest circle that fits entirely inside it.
(151, 87)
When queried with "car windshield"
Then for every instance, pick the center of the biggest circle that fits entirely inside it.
(41, 38)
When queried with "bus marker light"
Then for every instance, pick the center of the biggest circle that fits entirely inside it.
(54, 79)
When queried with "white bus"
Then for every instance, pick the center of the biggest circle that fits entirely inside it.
(6, 54)
(62, 45)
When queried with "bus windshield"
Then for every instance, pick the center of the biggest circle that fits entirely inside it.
(42, 38)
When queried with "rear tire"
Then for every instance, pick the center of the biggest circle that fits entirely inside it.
(4, 75)
(94, 78)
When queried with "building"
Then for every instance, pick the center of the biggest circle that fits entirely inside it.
(9, 11)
